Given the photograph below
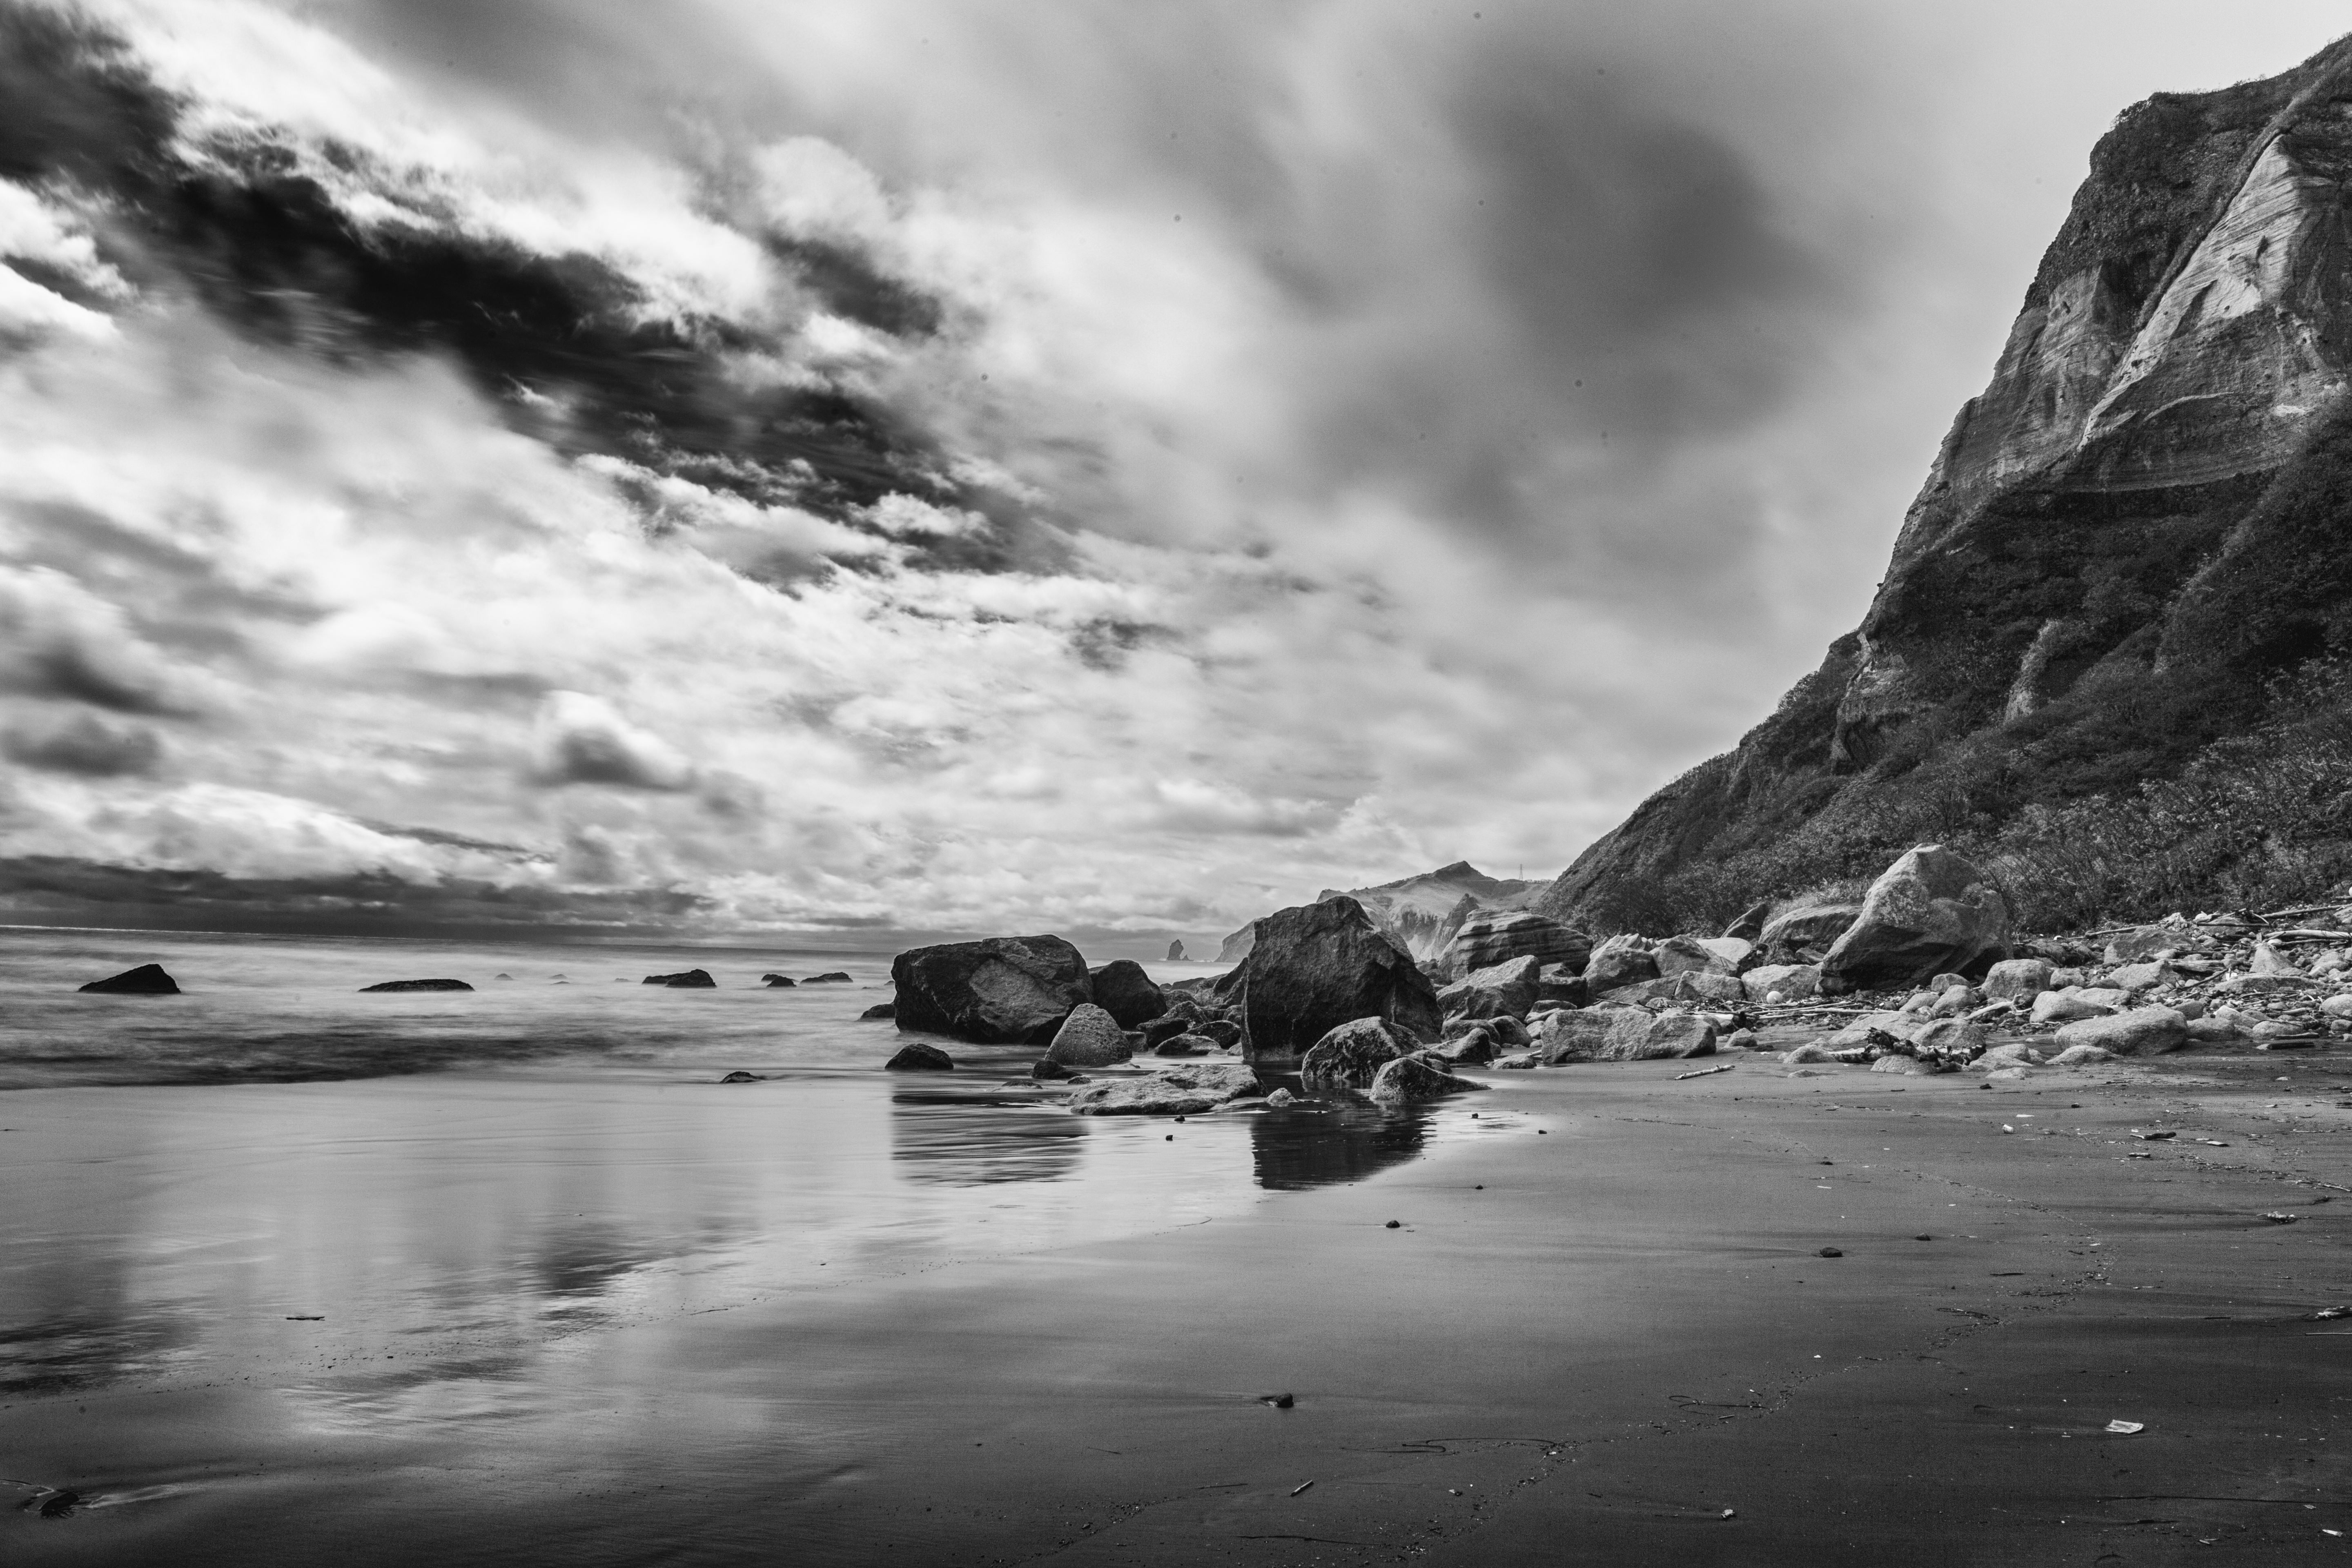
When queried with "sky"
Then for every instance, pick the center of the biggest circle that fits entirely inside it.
(807, 464)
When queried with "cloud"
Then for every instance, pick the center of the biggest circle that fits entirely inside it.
(82, 744)
(59, 640)
(583, 740)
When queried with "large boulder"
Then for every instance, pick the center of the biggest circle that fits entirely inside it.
(1186, 1091)
(1557, 985)
(2143, 1030)
(1804, 932)
(147, 980)
(1929, 913)
(1790, 982)
(1495, 939)
(1615, 1034)
(1003, 991)
(2014, 977)
(1706, 955)
(1749, 926)
(1317, 966)
(1123, 989)
(1090, 1037)
(1688, 988)
(1503, 991)
(1620, 961)
(1409, 1078)
(684, 980)
(1349, 1056)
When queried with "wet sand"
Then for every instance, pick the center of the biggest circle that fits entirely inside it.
(1602, 1322)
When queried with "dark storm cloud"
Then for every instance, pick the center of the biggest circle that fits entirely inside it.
(84, 744)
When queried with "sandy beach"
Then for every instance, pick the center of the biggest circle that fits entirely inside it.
(1600, 1330)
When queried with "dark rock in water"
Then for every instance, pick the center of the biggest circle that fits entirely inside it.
(1410, 1078)
(1123, 989)
(879, 1010)
(1619, 961)
(834, 977)
(1751, 923)
(1929, 913)
(1168, 1025)
(147, 980)
(1049, 1067)
(740, 1075)
(1351, 1056)
(502, 977)
(1320, 965)
(1175, 953)
(417, 985)
(916, 1057)
(1090, 1037)
(777, 982)
(1489, 940)
(57, 1505)
(1223, 1031)
(1004, 990)
(685, 979)
(1184, 1046)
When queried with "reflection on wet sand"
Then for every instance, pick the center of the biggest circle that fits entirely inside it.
(1319, 1143)
(974, 1138)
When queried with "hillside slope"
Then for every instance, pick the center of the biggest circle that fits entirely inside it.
(2129, 571)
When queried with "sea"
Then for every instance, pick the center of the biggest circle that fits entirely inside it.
(278, 1209)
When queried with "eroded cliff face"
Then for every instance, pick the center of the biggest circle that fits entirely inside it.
(2091, 520)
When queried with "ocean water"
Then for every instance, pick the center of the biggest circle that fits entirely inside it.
(275, 1213)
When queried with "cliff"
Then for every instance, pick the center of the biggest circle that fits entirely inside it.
(2129, 546)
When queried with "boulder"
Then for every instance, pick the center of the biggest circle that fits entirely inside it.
(2148, 942)
(1557, 985)
(684, 980)
(777, 982)
(1003, 991)
(417, 985)
(1183, 1046)
(2081, 1057)
(1793, 981)
(1409, 1078)
(147, 980)
(916, 1057)
(831, 977)
(1620, 961)
(1615, 1034)
(1493, 938)
(2215, 1031)
(1187, 1090)
(1505, 990)
(1175, 953)
(1930, 912)
(2015, 977)
(1691, 987)
(1089, 1038)
(1317, 966)
(1223, 1031)
(1507, 1031)
(1123, 989)
(1475, 1048)
(2137, 977)
(2143, 1030)
(878, 1011)
(2338, 1005)
(1899, 1063)
(1705, 955)
(1349, 1055)
(1168, 1025)
(740, 1075)
(1749, 926)
(1805, 933)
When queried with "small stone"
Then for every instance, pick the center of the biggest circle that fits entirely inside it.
(1395, 1225)
(739, 1076)
(1829, 1252)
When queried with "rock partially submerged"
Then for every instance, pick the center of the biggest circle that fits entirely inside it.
(1186, 1091)
(684, 980)
(916, 1057)
(880, 1010)
(1351, 1056)
(417, 985)
(1001, 991)
(1408, 1079)
(147, 980)
(1319, 965)
(832, 977)
(777, 982)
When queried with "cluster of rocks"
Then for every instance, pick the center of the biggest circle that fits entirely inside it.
(1321, 978)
